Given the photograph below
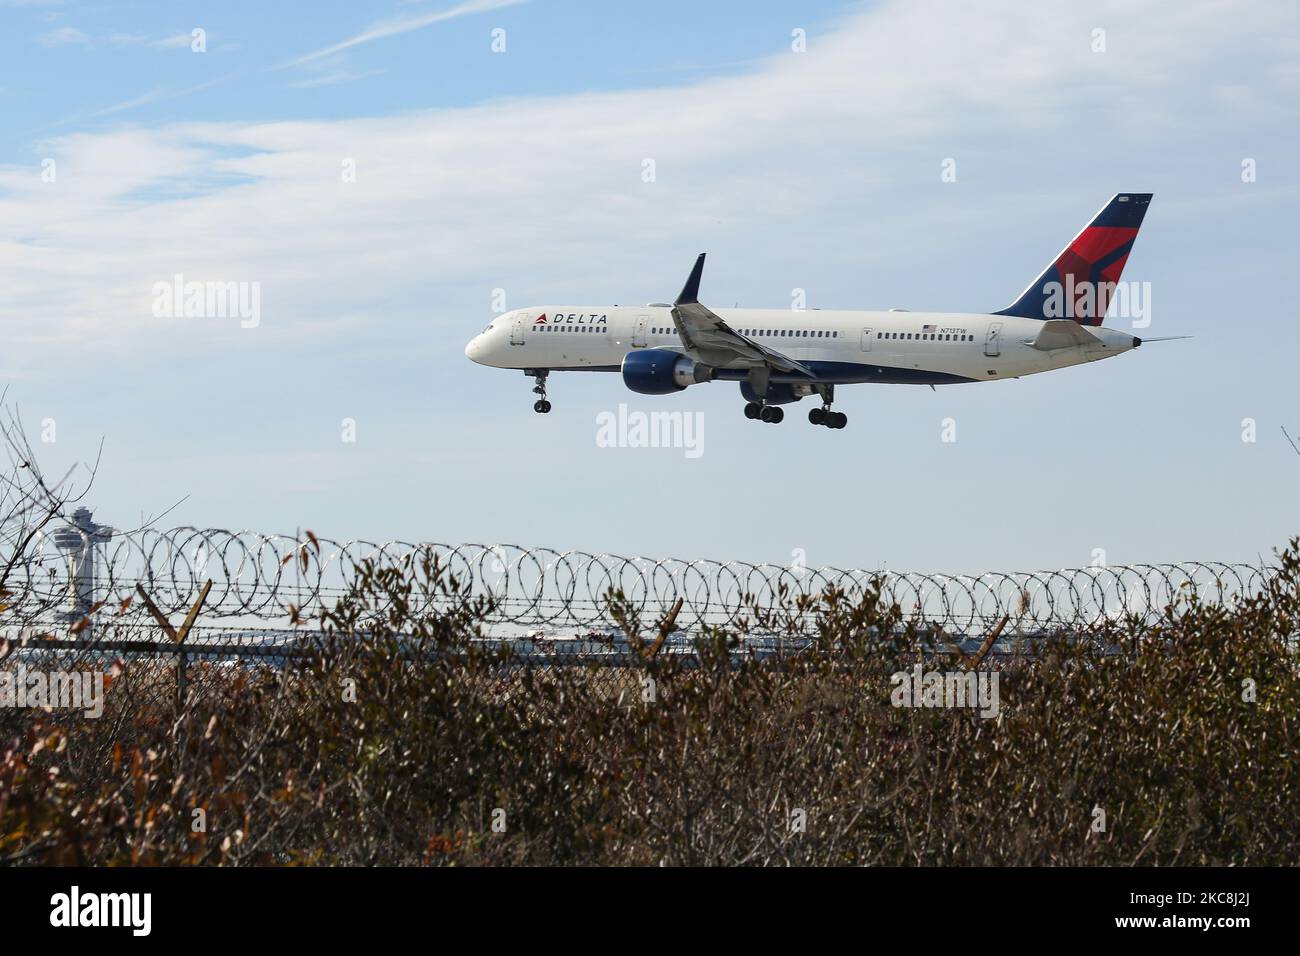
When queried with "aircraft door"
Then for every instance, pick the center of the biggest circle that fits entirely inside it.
(993, 340)
(517, 332)
(639, 331)
(866, 340)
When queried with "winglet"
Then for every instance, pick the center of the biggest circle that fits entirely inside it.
(691, 291)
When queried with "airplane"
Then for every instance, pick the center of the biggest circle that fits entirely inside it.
(781, 356)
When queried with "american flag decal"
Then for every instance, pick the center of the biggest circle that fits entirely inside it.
(929, 328)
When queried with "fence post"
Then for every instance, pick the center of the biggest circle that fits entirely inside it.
(178, 636)
(182, 685)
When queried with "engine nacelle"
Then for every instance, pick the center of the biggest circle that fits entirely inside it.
(661, 371)
(777, 393)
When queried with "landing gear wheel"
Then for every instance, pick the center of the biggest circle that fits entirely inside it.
(541, 406)
(817, 416)
(836, 419)
(753, 410)
(772, 415)
(766, 413)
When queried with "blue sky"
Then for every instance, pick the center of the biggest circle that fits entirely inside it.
(521, 171)
(66, 62)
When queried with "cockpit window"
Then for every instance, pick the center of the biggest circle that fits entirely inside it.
(488, 329)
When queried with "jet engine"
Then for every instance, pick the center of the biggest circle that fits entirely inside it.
(662, 371)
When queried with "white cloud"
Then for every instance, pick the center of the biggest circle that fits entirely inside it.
(65, 36)
(333, 78)
(177, 41)
(174, 41)
(544, 194)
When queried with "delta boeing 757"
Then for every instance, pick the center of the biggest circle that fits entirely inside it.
(780, 356)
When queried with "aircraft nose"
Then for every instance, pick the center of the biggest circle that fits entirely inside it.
(474, 348)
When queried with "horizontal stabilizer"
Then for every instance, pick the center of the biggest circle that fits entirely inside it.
(1062, 334)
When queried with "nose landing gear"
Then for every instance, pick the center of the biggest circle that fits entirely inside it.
(541, 406)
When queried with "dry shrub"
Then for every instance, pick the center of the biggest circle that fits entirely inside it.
(407, 750)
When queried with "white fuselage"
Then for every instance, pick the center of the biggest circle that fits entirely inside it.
(841, 346)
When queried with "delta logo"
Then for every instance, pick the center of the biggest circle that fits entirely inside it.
(573, 318)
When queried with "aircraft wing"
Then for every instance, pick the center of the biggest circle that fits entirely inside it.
(1062, 334)
(705, 334)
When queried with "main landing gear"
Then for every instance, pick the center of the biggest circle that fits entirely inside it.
(771, 414)
(824, 415)
(541, 406)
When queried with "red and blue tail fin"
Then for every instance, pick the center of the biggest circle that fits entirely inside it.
(1079, 282)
